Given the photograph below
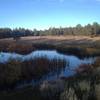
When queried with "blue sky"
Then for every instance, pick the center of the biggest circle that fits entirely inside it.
(42, 14)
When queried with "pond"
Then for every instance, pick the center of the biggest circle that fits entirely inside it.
(73, 63)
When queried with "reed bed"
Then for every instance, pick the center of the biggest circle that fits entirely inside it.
(16, 70)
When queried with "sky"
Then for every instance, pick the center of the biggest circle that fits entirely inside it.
(42, 14)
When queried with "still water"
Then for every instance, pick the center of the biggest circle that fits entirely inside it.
(73, 63)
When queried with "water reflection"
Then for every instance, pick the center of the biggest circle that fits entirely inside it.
(73, 61)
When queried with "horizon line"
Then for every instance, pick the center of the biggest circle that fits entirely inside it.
(43, 29)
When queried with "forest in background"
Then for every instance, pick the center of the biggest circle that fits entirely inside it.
(87, 30)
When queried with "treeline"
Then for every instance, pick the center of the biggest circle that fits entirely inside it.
(90, 29)
(7, 32)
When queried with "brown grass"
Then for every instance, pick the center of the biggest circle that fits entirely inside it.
(14, 70)
(67, 39)
(20, 48)
(65, 44)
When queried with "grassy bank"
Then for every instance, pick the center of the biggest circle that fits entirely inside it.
(78, 50)
(79, 46)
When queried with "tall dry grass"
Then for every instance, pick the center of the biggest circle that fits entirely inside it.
(15, 70)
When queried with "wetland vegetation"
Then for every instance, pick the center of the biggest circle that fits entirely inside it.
(48, 74)
(58, 67)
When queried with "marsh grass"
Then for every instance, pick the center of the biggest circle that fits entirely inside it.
(16, 70)
(80, 50)
(22, 48)
(83, 86)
